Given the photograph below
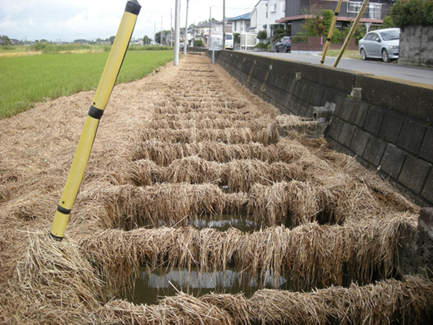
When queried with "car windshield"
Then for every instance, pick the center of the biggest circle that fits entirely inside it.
(229, 37)
(390, 35)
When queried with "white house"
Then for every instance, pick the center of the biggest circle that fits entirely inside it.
(240, 23)
(265, 13)
(201, 32)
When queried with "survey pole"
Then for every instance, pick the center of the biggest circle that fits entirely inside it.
(103, 92)
(352, 30)
(331, 30)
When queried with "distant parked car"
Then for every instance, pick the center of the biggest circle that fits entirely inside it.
(380, 44)
(284, 44)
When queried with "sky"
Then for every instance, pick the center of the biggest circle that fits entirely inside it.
(67, 20)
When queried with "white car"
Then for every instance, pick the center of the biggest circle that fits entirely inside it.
(380, 44)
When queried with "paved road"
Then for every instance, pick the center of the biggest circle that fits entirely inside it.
(376, 67)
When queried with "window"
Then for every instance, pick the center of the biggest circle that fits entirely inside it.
(273, 7)
(369, 37)
(354, 7)
(375, 10)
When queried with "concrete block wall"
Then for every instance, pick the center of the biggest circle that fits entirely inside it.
(416, 45)
(388, 127)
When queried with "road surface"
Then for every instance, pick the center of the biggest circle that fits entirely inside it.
(376, 67)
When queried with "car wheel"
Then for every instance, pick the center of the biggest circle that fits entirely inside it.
(277, 50)
(363, 54)
(287, 50)
(385, 56)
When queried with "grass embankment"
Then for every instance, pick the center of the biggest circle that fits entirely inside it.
(30, 79)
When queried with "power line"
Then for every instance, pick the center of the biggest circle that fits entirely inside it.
(213, 5)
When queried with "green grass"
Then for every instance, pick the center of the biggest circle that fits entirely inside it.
(346, 54)
(29, 79)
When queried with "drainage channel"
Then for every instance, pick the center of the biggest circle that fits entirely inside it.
(203, 221)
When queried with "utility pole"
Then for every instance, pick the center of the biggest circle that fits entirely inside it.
(210, 29)
(171, 26)
(177, 34)
(160, 36)
(185, 44)
(224, 24)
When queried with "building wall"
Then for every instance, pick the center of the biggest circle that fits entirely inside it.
(386, 125)
(264, 15)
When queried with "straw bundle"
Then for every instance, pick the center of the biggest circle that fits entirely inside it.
(129, 207)
(52, 282)
(391, 301)
(229, 115)
(298, 202)
(238, 175)
(231, 136)
(169, 107)
(163, 153)
(160, 122)
(181, 309)
(326, 159)
(309, 255)
(242, 175)
(212, 102)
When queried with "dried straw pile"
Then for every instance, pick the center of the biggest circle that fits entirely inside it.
(52, 283)
(157, 165)
(309, 255)
(384, 302)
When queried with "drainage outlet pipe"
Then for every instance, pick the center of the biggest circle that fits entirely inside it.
(103, 92)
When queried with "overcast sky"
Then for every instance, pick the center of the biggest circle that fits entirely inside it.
(67, 20)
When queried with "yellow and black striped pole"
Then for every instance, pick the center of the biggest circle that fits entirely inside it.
(331, 31)
(103, 92)
(352, 30)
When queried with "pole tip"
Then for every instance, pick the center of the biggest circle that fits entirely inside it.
(133, 7)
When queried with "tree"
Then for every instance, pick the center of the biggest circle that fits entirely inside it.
(111, 39)
(388, 22)
(146, 40)
(158, 36)
(414, 12)
(319, 22)
(262, 35)
(6, 40)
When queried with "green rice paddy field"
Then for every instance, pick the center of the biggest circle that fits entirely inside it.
(25, 80)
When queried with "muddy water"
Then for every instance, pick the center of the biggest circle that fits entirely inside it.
(150, 287)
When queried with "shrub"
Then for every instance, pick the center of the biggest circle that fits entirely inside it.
(261, 46)
(262, 35)
(198, 43)
(236, 38)
(412, 12)
(300, 38)
(280, 32)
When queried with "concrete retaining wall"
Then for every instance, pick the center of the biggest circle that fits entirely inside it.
(416, 45)
(385, 123)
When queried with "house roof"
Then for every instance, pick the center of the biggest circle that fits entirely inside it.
(242, 17)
